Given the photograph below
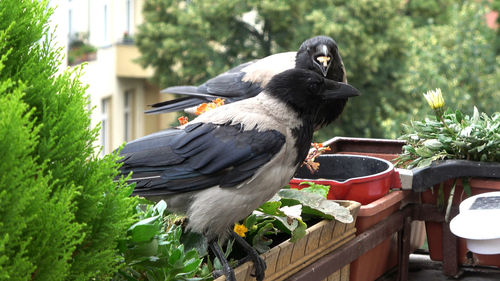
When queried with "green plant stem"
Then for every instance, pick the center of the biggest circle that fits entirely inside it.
(439, 116)
(450, 201)
(445, 125)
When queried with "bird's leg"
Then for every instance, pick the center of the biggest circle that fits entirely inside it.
(258, 262)
(226, 268)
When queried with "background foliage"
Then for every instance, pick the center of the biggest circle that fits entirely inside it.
(61, 214)
(393, 50)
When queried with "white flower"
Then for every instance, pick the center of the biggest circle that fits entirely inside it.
(434, 98)
(293, 212)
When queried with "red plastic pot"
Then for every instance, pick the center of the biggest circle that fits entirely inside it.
(351, 177)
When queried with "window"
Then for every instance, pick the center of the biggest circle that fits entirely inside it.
(128, 115)
(105, 24)
(105, 125)
(128, 17)
(70, 22)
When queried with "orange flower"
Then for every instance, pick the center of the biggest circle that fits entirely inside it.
(183, 120)
(316, 150)
(201, 109)
(219, 102)
(204, 107)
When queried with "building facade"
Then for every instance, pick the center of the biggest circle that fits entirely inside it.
(100, 33)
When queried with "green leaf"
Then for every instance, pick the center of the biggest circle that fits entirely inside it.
(175, 256)
(286, 224)
(459, 116)
(160, 207)
(260, 242)
(271, 208)
(251, 221)
(424, 162)
(192, 265)
(145, 222)
(193, 240)
(143, 232)
(316, 188)
(440, 196)
(409, 149)
(315, 204)
(467, 187)
(424, 151)
(299, 232)
(433, 144)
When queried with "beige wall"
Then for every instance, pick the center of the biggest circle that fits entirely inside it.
(126, 65)
(156, 122)
(114, 72)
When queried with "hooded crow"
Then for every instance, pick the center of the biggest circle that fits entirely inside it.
(319, 54)
(224, 164)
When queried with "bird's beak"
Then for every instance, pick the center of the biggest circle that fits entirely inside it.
(322, 59)
(339, 90)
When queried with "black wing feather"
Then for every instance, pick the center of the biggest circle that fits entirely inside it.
(175, 105)
(197, 157)
(228, 85)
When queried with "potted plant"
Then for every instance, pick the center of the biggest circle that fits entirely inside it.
(277, 230)
(457, 152)
(80, 50)
(157, 248)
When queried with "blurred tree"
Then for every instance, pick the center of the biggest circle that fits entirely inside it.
(459, 58)
(188, 42)
(392, 49)
(495, 6)
(423, 12)
(372, 37)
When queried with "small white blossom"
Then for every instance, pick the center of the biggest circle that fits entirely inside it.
(434, 98)
(293, 212)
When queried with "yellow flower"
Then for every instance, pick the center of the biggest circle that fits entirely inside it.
(434, 98)
(240, 229)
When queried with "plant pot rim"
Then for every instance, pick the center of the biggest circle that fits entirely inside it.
(368, 178)
(440, 171)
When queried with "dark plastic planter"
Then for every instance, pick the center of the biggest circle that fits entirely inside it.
(484, 177)
(351, 177)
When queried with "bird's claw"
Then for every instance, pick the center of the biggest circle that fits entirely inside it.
(226, 268)
(217, 273)
(260, 267)
(258, 262)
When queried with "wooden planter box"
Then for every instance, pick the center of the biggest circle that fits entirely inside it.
(288, 258)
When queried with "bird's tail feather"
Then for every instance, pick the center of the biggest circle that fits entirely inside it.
(175, 105)
(192, 91)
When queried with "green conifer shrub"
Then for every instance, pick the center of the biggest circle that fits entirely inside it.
(61, 214)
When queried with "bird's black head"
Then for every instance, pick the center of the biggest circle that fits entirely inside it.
(305, 91)
(320, 54)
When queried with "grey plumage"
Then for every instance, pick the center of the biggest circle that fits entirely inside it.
(249, 79)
